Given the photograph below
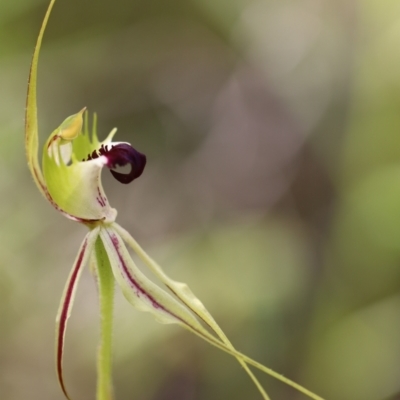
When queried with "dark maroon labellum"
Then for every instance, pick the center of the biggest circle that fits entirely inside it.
(120, 155)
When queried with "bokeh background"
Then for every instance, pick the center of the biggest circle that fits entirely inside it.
(272, 131)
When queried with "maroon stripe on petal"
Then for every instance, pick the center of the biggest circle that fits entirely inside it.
(64, 316)
(140, 292)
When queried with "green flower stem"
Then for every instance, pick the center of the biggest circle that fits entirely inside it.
(106, 297)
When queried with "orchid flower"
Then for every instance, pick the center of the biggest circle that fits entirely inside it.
(70, 179)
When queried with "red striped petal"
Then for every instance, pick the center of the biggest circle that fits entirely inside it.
(67, 301)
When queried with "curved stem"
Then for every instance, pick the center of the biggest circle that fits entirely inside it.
(106, 299)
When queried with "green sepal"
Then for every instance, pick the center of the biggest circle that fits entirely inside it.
(67, 300)
(183, 293)
(139, 290)
(31, 120)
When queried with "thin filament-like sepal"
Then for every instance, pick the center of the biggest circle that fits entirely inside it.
(184, 294)
(67, 301)
(139, 290)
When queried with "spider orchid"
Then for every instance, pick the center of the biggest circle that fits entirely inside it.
(70, 179)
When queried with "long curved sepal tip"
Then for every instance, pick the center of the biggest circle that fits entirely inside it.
(139, 290)
(182, 292)
(31, 124)
(67, 301)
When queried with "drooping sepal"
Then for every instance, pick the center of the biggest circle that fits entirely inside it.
(184, 294)
(140, 291)
(67, 301)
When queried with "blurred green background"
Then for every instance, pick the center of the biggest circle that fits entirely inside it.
(272, 131)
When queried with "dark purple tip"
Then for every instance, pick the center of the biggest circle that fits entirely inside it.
(123, 154)
(120, 155)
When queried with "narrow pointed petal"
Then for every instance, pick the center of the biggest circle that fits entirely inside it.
(31, 124)
(67, 300)
(186, 296)
(142, 293)
(179, 289)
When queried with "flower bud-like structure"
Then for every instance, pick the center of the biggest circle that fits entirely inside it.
(70, 179)
(73, 159)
